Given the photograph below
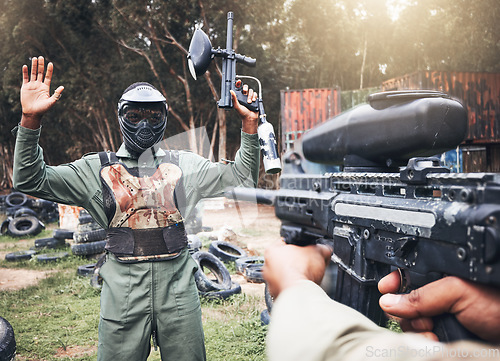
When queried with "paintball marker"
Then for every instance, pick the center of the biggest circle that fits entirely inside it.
(199, 58)
(393, 206)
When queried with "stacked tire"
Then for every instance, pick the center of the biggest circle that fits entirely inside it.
(226, 251)
(212, 277)
(90, 237)
(265, 315)
(25, 215)
(57, 241)
(7, 341)
(251, 268)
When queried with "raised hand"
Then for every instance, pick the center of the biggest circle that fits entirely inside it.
(35, 92)
(249, 119)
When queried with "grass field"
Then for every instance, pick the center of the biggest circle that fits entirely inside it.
(57, 318)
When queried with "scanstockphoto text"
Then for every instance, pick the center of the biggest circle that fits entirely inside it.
(432, 350)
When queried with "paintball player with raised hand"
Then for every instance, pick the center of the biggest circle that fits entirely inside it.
(141, 195)
(307, 325)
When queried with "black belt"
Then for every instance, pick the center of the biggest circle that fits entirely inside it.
(146, 244)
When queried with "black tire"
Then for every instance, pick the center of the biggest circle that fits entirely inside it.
(221, 294)
(62, 234)
(44, 204)
(85, 218)
(4, 228)
(7, 341)
(253, 273)
(49, 243)
(226, 251)
(23, 211)
(24, 226)
(20, 256)
(216, 268)
(10, 211)
(265, 317)
(88, 227)
(268, 298)
(49, 217)
(90, 236)
(51, 257)
(244, 262)
(86, 249)
(86, 270)
(16, 199)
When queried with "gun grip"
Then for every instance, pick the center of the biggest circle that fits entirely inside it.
(243, 99)
(448, 329)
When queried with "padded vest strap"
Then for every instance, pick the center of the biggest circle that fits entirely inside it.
(107, 158)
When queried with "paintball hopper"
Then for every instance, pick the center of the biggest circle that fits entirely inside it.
(200, 54)
(394, 127)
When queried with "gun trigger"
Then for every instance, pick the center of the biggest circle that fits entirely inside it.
(405, 245)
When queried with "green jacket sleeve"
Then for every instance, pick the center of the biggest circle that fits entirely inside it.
(74, 183)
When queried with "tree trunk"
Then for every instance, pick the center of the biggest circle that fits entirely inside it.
(222, 133)
(363, 65)
(6, 152)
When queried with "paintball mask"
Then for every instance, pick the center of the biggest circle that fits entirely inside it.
(142, 114)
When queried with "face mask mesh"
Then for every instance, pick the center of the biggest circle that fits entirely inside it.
(142, 135)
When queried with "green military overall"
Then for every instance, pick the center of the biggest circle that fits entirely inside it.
(149, 298)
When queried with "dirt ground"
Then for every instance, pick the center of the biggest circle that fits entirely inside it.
(256, 227)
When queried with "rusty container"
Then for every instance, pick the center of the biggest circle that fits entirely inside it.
(303, 109)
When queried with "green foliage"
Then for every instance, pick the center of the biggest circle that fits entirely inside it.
(100, 47)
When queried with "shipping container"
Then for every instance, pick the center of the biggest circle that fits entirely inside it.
(478, 92)
(303, 109)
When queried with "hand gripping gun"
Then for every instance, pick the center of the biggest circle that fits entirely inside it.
(199, 58)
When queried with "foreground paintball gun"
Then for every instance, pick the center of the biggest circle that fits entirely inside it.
(393, 206)
(200, 56)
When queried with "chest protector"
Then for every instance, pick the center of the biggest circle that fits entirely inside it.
(141, 206)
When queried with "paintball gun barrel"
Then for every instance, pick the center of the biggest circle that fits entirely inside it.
(420, 218)
(199, 58)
